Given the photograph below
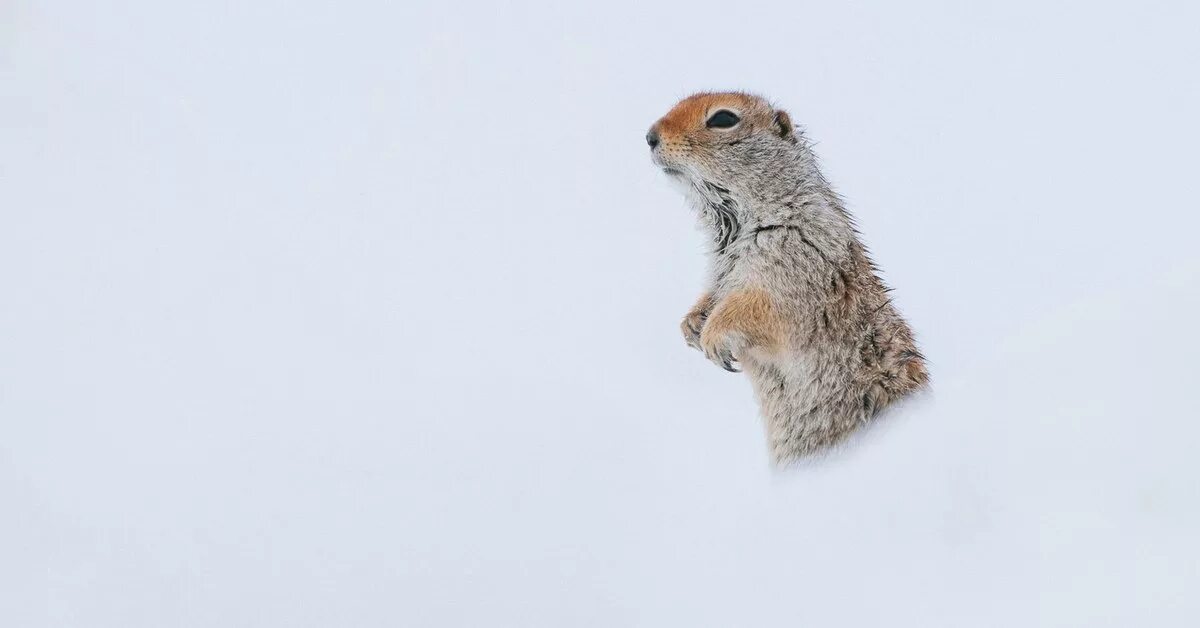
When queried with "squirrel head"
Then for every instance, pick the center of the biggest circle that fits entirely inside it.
(724, 140)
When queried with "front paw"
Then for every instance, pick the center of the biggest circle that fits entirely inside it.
(691, 326)
(721, 348)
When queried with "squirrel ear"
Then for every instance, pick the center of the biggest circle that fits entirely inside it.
(783, 125)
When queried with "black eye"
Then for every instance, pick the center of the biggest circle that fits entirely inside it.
(722, 119)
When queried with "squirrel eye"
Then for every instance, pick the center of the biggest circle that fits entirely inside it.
(722, 119)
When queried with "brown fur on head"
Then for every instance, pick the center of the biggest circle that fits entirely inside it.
(685, 123)
(718, 137)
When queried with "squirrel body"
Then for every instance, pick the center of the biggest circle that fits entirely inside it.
(793, 297)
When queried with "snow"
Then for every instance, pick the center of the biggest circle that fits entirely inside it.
(365, 314)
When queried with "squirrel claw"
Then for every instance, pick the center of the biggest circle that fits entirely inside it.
(721, 350)
(691, 326)
(723, 358)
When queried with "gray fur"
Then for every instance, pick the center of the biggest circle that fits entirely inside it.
(778, 227)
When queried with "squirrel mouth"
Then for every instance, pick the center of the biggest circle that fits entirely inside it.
(672, 171)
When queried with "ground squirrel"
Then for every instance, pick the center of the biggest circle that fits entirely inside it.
(793, 297)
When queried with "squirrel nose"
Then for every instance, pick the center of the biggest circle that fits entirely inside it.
(652, 138)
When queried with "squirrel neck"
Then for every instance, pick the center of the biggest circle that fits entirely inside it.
(795, 195)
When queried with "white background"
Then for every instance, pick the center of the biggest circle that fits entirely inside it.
(365, 314)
